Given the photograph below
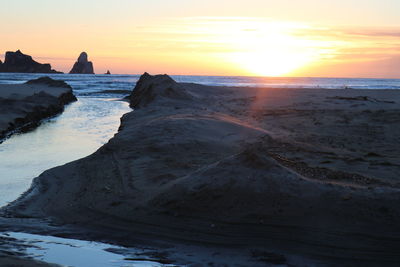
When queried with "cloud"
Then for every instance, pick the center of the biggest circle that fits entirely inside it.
(384, 32)
(229, 35)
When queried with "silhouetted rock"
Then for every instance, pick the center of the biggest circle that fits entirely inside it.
(24, 106)
(82, 66)
(49, 82)
(150, 87)
(108, 72)
(19, 62)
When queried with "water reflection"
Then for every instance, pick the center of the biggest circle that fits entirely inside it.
(82, 128)
(77, 253)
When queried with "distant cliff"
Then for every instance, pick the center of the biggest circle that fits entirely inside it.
(19, 62)
(82, 65)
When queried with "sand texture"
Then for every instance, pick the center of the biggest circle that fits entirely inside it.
(310, 171)
(18, 261)
(23, 106)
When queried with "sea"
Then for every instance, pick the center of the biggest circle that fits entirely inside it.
(85, 85)
(89, 123)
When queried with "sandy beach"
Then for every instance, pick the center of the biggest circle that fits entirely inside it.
(23, 106)
(311, 172)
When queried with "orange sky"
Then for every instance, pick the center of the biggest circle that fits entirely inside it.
(338, 38)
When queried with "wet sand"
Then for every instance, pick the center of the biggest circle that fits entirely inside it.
(285, 175)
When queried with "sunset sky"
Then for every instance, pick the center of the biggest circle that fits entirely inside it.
(330, 38)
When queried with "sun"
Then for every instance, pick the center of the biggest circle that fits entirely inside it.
(266, 48)
(248, 46)
(270, 63)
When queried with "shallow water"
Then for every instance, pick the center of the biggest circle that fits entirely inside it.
(79, 131)
(77, 253)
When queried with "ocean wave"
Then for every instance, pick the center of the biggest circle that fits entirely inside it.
(103, 85)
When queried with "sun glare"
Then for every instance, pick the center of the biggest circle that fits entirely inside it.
(269, 49)
(270, 63)
(260, 47)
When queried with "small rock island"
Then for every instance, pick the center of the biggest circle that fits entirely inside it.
(19, 62)
(82, 66)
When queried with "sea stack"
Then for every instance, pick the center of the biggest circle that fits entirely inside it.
(19, 62)
(82, 66)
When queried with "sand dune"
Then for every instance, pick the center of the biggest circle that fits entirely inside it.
(309, 171)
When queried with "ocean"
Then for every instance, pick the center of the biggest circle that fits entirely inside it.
(95, 85)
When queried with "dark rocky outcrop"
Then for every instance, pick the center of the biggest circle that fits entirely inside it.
(19, 62)
(33, 109)
(63, 99)
(49, 82)
(108, 72)
(82, 66)
(150, 87)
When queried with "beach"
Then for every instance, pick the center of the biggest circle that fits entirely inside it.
(200, 133)
(308, 172)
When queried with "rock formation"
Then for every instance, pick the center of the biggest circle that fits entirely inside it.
(108, 72)
(23, 106)
(82, 66)
(19, 62)
(50, 82)
(149, 87)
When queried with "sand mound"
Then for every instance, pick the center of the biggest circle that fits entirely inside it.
(252, 187)
(149, 87)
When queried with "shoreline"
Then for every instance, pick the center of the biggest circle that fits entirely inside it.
(200, 142)
(24, 106)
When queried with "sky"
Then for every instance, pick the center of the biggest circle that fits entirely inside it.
(312, 38)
